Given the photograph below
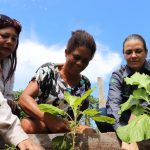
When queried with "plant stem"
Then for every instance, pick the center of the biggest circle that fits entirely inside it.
(74, 128)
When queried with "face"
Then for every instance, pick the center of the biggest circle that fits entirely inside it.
(77, 60)
(8, 41)
(134, 54)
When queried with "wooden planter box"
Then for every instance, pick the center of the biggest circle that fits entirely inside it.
(102, 141)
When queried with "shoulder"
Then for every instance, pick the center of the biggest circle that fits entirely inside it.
(47, 67)
(148, 63)
(121, 71)
(119, 74)
(45, 71)
(146, 67)
(85, 80)
(83, 77)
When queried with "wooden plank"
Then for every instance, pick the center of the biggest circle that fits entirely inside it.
(102, 100)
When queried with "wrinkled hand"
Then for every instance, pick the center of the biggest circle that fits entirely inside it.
(55, 124)
(85, 129)
(29, 145)
(132, 146)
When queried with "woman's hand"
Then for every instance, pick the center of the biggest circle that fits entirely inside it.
(29, 145)
(55, 124)
(132, 146)
(85, 129)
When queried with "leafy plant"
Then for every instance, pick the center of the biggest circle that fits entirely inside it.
(8, 147)
(21, 114)
(138, 103)
(74, 102)
(17, 94)
(93, 103)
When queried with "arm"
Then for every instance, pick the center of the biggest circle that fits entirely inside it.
(29, 105)
(114, 98)
(27, 101)
(10, 125)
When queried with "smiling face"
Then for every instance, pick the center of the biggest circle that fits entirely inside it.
(134, 53)
(8, 41)
(77, 60)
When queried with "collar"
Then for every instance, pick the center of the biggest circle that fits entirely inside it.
(128, 70)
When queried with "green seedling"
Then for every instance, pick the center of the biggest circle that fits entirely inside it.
(67, 142)
(139, 128)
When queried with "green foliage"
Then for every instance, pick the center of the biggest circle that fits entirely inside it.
(22, 114)
(51, 109)
(93, 103)
(138, 129)
(62, 142)
(104, 119)
(8, 147)
(75, 103)
(142, 80)
(17, 94)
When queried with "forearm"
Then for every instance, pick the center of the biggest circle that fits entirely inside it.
(56, 124)
(114, 99)
(10, 126)
(29, 105)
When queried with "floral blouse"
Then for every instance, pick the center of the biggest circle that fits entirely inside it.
(52, 87)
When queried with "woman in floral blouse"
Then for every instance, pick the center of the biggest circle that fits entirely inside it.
(51, 81)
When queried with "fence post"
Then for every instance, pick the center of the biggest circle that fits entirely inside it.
(102, 100)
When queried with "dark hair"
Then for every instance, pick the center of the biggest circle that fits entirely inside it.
(135, 36)
(81, 38)
(6, 21)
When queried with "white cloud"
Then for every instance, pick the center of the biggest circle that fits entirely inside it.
(33, 54)
(103, 63)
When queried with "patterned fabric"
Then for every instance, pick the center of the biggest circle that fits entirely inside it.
(52, 87)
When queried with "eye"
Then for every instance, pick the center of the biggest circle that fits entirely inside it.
(128, 52)
(76, 57)
(138, 50)
(14, 38)
(4, 36)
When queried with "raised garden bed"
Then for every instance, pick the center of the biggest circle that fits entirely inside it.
(102, 141)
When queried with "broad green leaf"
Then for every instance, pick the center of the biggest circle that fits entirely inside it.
(142, 80)
(104, 119)
(138, 130)
(134, 100)
(82, 98)
(75, 101)
(62, 142)
(70, 99)
(148, 88)
(91, 112)
(137, 110)
(51, 109)
(141, 94)
(128, 104)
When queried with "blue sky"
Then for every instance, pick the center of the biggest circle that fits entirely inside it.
(47, 25)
